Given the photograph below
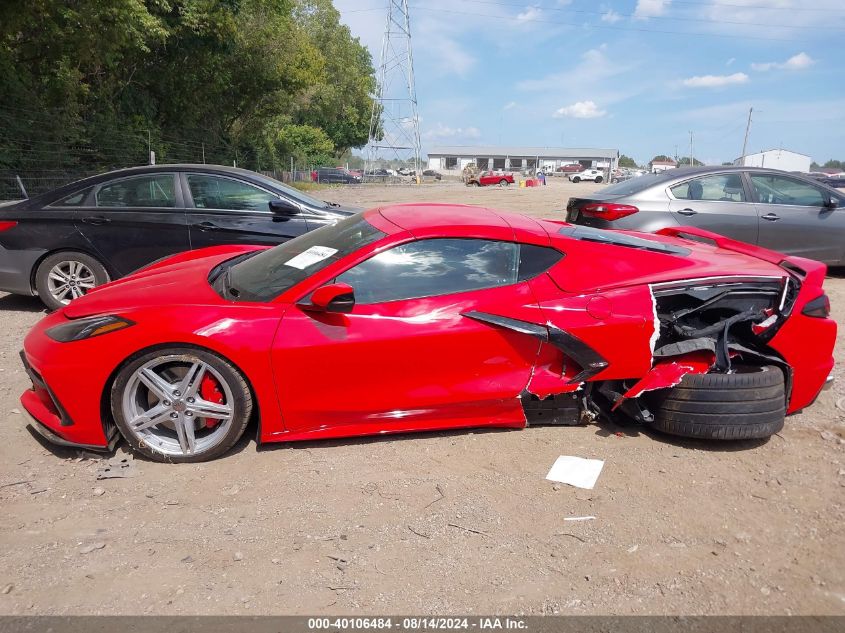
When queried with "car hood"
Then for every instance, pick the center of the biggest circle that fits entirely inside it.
(180, 279)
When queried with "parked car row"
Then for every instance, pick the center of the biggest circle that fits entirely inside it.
(178, 356)
(108, 226)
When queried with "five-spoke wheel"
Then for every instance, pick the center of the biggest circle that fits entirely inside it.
(181, 405)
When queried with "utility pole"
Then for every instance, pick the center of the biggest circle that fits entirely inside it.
(690, 148)
(203, 153)
(745, 141)
(394, 122)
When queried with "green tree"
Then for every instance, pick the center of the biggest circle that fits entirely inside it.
(340, 101)
(684, 160)
(627, 161)
(661, 157)
(86, 85)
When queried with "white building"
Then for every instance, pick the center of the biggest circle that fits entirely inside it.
(452, 159)
(776, 159)
(662, 165)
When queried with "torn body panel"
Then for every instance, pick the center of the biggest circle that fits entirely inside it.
(669, 372)
(616, 325)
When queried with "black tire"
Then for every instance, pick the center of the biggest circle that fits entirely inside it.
(747, 404)
(503, 183)
(242, 404)
(42, 275)
(576, 179)
(599, 179)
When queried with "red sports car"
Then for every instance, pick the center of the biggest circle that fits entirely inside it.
(422, 317)
(491, 178)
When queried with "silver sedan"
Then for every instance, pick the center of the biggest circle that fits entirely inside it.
(775, 209)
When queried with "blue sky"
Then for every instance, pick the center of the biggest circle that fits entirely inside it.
(637, 75)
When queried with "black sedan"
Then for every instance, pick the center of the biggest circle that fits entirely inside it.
(60, 244)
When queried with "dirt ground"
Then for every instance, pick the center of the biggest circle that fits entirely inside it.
(439, 523)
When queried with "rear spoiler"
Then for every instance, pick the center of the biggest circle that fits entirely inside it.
(797, 266)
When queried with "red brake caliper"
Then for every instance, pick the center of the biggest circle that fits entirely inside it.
(210, 390)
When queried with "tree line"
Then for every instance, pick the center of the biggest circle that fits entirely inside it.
(87, 85)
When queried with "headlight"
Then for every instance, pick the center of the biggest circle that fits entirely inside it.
(87, 328)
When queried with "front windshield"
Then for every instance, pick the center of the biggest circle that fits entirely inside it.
(272, 272)
(294, 193)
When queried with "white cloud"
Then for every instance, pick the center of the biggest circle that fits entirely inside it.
(730, 62)
(441, 131)
(510, 105)
(580, 110)
(610, 16)
(715, 81)
(651, 8)
(530, 14)
(776, 19)
(796, 62)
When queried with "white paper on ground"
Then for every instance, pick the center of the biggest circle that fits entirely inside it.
(311, 256)
(576, 471)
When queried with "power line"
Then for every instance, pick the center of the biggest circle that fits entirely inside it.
(755, 6)
(603, 26)
(658, 17)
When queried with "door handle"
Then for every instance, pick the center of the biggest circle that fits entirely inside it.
(206, 226)
(687, 211)
(96, 220)
(771, 217)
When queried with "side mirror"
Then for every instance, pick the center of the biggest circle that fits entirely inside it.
(831, 203)
(283, 207)
(331, 298)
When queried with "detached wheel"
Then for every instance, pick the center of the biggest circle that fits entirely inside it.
(747, 404)
(63, 277)
(181, 405)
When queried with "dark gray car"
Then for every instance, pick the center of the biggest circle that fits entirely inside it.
(766, 207)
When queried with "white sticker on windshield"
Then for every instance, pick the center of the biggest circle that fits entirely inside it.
(311, 256)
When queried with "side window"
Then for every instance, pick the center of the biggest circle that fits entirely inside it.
(144, 191)
(214, 192)
(534, 260)
(719, 188)
(433, 267)
(781, 190)
(73, 200)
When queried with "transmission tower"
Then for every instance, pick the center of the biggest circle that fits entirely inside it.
(394, 124)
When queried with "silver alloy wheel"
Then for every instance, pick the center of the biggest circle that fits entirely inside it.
(164, 409)
(68, 280)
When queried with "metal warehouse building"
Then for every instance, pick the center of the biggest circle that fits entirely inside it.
(777, 159)
(452, 159)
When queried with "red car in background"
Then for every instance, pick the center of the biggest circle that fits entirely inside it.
(491, 178)
(572, 168)
(434, 316)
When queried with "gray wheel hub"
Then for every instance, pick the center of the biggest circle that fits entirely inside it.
(68, 280)
(163, 406)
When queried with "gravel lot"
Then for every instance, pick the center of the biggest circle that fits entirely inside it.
(436, 523)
